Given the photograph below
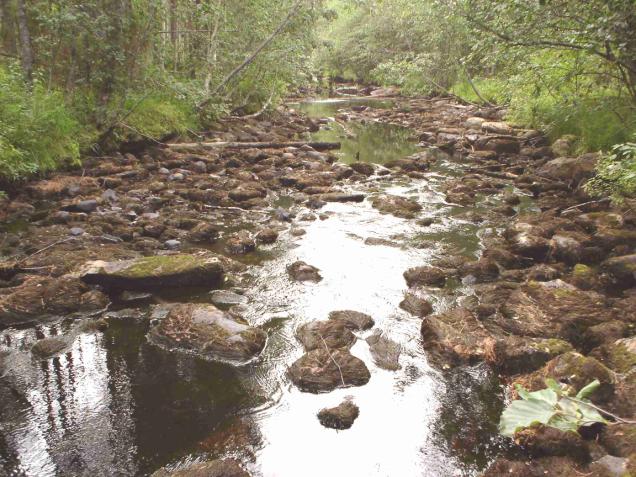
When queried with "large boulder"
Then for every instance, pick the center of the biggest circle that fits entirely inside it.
(331, 334)
(323, 371)
(206, 331)
(303, 272)
(425, 276)
(416, 305)
(150, 273)
(38, 298)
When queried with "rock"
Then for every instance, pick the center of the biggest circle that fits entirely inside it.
(149, 273)
(215, 468)
(302, 272)
(317, 371)
(397, 206)
(206, 331)
(205, 233)
(381, 242)
(584, 277)
(39, 298)
(482, 270)
(565, 249)
(244, 193)
(570, 170)
(267, 236)
(363, 168)
(606, 332)
(240, 243)
(621, 270)
(332, 334)
(342, 197)
(340, 417)
(513, 354)
(474, 123)
(76, 231)
(416, 305)
(385, 352)
(498, 145)
(619, 439)
(610, 466)
(86, 206)
(563, 146)
(530, 246)
(425, 276)
(496, 128)
(226, 298)
(542, 273)
(172, 244)
(354, 320)
(48, 347)
(576, 371)
(297, 232)
(542, 467)
(543, 441)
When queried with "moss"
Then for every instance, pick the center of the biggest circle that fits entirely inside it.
(159, 265)
(581, 270)
(622, 360)
(553, 346)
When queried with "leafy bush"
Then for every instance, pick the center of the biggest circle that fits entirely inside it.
(37, 131)
(616, 174)
(551, 407)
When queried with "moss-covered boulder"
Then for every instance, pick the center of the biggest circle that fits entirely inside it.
(39, 298)
(150, 273)
(206, 331)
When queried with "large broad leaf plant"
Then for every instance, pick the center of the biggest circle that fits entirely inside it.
(552, 407)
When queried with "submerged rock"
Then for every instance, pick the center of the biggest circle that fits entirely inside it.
(267, 236)
(148, 273)
(354, 320)
(206, 331)
(48, 347)
(215, 468)
(397, 206)
(323, 371)
(385, 352)
(340, 417)
(331, 334)
(342, 197)
(240, 243)
(302, 272)
(225, 298)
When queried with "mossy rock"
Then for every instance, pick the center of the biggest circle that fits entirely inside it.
(150, 273)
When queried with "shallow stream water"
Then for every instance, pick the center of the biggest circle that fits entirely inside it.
(115, 405)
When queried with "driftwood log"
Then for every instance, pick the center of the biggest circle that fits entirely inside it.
(318, 146)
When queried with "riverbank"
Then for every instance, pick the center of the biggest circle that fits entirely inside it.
(505, 273)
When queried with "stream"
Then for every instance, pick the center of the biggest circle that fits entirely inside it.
(115, 405)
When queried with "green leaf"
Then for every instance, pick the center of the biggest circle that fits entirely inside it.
(586, 391)
(524, 413)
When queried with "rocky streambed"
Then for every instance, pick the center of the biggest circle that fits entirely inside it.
(298, 312)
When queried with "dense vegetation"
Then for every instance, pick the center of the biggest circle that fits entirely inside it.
(564, 65)
(77, 75)
(80, 75)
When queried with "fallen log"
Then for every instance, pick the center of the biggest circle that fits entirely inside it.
(318, 146)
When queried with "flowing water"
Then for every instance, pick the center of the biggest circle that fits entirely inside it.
(115, 405)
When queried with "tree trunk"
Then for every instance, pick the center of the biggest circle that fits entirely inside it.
(26, 53)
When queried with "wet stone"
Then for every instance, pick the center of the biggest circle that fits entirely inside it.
(385, 352)
(354, 320)
(226, 298)
(397, 206)
(48, 347)
(341, 197)
(267, 236)
(240, 243)
(340, 417)
(416, 305)
(206, 331)
(331, 334)
(425, 276)
(302, 272)
(323, 371)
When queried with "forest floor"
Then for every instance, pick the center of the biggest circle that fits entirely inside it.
(552, 289)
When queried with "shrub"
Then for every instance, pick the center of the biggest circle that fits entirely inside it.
(616, 174)
(37, 131)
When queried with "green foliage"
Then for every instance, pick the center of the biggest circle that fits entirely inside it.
(37, 131)
(616, 174)
(157, 115)
(551, 407)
